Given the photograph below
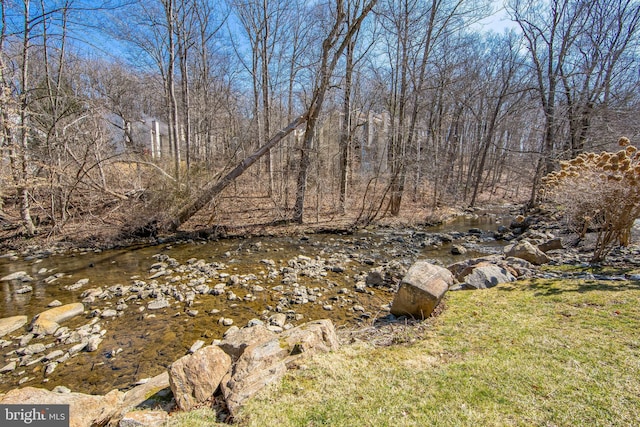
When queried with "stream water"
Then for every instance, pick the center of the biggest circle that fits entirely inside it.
(305, 277)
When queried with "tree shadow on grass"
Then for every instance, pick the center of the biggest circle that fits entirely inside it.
(550, 287)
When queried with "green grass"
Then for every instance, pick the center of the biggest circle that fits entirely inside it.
(540, 353)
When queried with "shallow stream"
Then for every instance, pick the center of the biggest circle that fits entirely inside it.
(305, 277)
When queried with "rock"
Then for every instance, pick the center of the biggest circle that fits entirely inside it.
(196, 346)
(80, 283)
(11, 324)
(458, 250)
(235, 342)
(78, 347)
(487, 276)
(93, 343)
(54, 303)
(144, 418)
(18, 275)
(24, 289)
(158, 304)
(375, 277)
(528, 252)
(278, 319)
(141, 393)
(84, 410)
(551, 245)
(54, 355)
(264, 363)
(48, 321)
(34, 349)
(50, 368)
(195, 377)
(421, 290)
(11, 366)
(108, 313)
(361, 287)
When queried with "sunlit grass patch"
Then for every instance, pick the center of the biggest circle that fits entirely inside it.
(536, 353)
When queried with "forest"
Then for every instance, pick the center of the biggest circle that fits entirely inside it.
(158, 115)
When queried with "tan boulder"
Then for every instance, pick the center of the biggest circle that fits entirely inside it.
(264, 363)
(195, 377)
(85, 410)
(421, 290)
(139, 395)
(235, 343)
(528, 252)
(49, 321)
(11, 324)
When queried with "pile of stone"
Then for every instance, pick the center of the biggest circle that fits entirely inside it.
(235, 369)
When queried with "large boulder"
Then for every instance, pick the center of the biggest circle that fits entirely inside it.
(421, 290)
(11, 324)
(487, 276)
(139, 395)
(195, 377)
(84, 410)
(527, 251)
(263, 363)
(47, 322)
(234, 343)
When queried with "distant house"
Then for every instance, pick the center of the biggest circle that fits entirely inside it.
(148, 136)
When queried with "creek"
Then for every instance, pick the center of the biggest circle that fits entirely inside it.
(349, 278)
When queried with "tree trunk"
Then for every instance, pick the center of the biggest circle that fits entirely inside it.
(213, 189)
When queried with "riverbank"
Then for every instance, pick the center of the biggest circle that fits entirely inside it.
(534, 352)
(352, 280)
(121, 231)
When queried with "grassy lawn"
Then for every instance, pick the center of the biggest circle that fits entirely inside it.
(539, 353)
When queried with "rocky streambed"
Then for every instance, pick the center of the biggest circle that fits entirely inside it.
(144, 307)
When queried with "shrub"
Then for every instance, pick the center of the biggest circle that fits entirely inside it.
(599, 192)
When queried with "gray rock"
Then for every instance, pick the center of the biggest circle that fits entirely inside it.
(54, 303)
(26, 339)
(18, 275)
(54, 355)
(11, 366)
(50, 368)
(196, 346)
(375, 277)
(108, 313)
(78, 348)
(24, 289)
(93, 343)
(34, 349)
(278, 319)
(158, 304)
(487, 276)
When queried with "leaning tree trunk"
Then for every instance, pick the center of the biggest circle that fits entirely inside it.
(213, 189)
